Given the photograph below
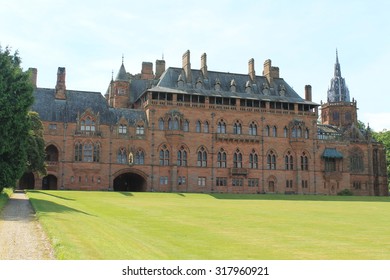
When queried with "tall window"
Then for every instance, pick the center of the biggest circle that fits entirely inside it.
(96, 152)
(237, 127)
(221, 127)
(252, 128)
(206, 127)
(221, 159)
(198, 126)
(87, 152)
(304, 162)
(186, 126)
(253, 160)
(274, 131)
(356, 161)
(78, 152)
(266, 130)
(285, 132)
(289, 161)
(306, 133)
(271, 160)
(164, 156)
(173, 124)
(122, 129)
(202, 157)
(87, 124)
(122, 155)
(182, 157)
(237, 159)
(330, 164)
(139, 157)
(161, 124)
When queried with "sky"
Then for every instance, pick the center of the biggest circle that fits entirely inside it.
(89, 38)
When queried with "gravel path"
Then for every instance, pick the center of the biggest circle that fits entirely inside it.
(21, 235)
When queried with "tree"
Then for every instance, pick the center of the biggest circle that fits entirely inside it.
(35, 145)
(15, 100)
(384, 137)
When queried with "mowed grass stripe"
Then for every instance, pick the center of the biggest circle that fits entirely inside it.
(112, 225)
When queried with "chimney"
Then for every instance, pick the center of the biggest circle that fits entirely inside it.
(251, 69)
(308, 92)
(60, 86)
(33, 76)
(160, 68)
(203, 65)
(147, 71)
(270, 72)
(187, 66)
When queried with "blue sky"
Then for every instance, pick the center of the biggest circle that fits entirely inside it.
(300, 37)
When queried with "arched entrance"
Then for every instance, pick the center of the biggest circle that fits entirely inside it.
(49, 182)
(51, 153)
(129, 182)
(27, 181)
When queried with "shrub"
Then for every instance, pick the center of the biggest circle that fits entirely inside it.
(345, 192)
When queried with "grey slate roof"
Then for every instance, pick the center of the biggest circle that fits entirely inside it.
(169, 82)
(76, 103)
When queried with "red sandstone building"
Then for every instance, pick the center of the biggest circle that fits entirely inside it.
(194, 130)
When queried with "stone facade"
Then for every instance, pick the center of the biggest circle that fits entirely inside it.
(189, 130)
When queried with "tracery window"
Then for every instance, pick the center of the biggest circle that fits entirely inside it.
(164, 156)
(78, 152)
(237, 159)
(122, 156)
(289, 161)
(253, 160)
(202, 157)
(304, 162)
(237, 127)
(252, 128)
(271, 160)
(182, 157)
(87, 124)
(221, 158)
(139, 157)
(87, 152)
(221, 127)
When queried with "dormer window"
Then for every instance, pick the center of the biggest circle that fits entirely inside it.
(140, 130)
(233, 85)
(122, 129)
(217, 84)
(88, 124)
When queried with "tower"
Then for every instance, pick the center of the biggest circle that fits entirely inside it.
(338, 110)
(119, 90)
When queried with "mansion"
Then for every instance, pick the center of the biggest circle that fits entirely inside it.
(180, 129)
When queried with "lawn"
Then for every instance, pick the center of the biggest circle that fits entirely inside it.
(113, 225)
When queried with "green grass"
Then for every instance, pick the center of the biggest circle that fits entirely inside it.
(112, 225)
(4, 196)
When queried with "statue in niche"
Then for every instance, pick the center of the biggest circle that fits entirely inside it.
(131, 158)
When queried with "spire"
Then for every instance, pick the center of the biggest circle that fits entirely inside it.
(337, 70)
(122, 74)
(338, 90)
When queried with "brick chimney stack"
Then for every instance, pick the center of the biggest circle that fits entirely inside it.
(270, 72)
(160, 68)
(203, 65)
(308, 95)
(60, 86)
(147, 71)
(187, 66)
(251, 69)
(34, 76)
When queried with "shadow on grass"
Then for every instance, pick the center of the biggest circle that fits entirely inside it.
(126, 193)
(294, 197)
(46, 206)
(53, 195)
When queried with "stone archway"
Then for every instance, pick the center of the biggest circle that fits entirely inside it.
(129, 182)
(27, 181)
(49, 182)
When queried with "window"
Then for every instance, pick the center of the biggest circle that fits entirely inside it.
(221, 181)
(253, 160)
(206, 127)
(271, 186)
(304, 184)
(163, 180)
(356, 161)
(330, 164)
(289, 184)
(237, 128)
(87, 124)
(186, 126)
(304, 162)
(122, 156)
(173, 124)
(201, 181)
(274, 131)
(357, 185)
(266, 131)
(306, 133)
(139, 157)
(198, 127)
(181, 180)
(285, 132)
(271, 160)
(182, 157)
(289, 162)
(140, 130)
(202, 157)
(52, 126)
(252, 129)
(237, 159)
(161, 124)
(221, 127)
(164, 156)
(253, 182)
(237, 182)
(96, 152)
(122, 129)
(221, 159)
(78, 151)
(87, 152)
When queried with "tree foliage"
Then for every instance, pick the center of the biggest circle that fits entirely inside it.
(35, 145)
(15, 100)
(384, 137)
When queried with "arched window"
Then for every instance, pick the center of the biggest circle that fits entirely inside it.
(122, 129)
(274, 131)
(306, 133)
(139, 157)
(221, 127)
(356, 160)
(206, 127)
(237, 128)
(221, 159)
(289, 161)
(122, 156)
(271, 160)
(186, 126)
(96, 152)
(266, 130)
(285, 132)
(78, 152)
(253, 160)
(237, 159)
(164, 156)
(202, 157)
(161, 124)
(252, 128)
(294, 132)
(182, 157)
(51, 153)
(304, 162)
(299, 132)
(198, 126)
(88, 152)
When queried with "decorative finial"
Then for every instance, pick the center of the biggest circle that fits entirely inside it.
(112, 75)
(162, 56)
(123, 58)
(337, 56)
